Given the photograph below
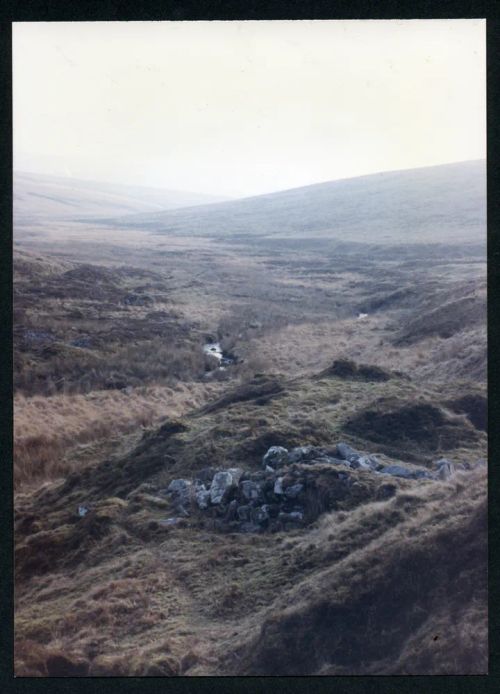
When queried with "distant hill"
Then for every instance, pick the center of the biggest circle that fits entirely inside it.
(443, 204)
(49, 197)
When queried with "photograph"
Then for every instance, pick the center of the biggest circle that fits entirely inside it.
(250, 348)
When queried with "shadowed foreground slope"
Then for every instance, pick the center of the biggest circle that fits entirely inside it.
(385, 575)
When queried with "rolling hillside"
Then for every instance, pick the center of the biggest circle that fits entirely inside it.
(50, 197)
(440, 203)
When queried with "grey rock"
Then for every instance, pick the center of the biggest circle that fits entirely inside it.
(445, 470)
(221, 486)
(276, 457)
(423, 474)
(243, 513)
(231, 512)
(362, 463)
(269, 468)
(260, 515)
(293, 516)
(82, 511)
(206, 475)
(442, 461)
(303, 454)
(273, 510)
(202, 496)
(347, 453)
(180, 490)
(330, 460)
(397, 471)
(251, 490)
(374, 462)
(258, 475)
(294, 491)
(236, 474)
(278, 486)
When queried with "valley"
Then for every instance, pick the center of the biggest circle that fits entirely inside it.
(351, 312)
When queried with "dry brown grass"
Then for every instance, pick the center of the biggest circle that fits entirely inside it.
(404, 583)
(311, 346)
(46, 429)
(362, 591)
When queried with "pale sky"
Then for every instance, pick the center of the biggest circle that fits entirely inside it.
(247, 107)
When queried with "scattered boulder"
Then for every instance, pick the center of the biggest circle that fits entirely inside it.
(220, 487)
(206, 475)
(362, 463)
(330, 460)
(294, 491)
(278, 486)
(180, 490)
(243, 512)
(292, 516)
(345, 452)
(398, 471)
(373, 462)
(445, 469)
(273, 510)
(260, 515)
(303, 454)
(423, 475)
(202, 496)
(276, 457)
(231, 513)
(236, 474)
(251, 490)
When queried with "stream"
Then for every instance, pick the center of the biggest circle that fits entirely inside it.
(215, 350)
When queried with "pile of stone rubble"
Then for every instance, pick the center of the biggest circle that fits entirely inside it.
(281, 496)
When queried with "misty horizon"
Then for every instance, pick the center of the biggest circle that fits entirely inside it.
(234, 196)
(240, 109)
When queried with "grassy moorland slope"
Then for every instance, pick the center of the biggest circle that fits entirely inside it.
(373, 585)
(52, 197)
(381, 208)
